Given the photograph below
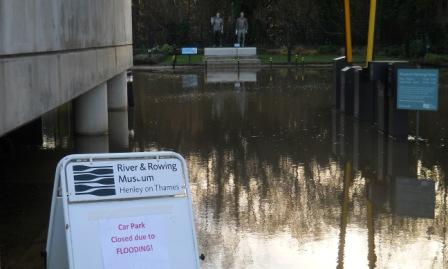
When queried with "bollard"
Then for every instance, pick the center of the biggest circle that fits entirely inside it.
(363, 109)
(339, 63)
(297, 59)
(270, 61)
(303, 61)
(348, 89)
(378, 71)
(238, 63)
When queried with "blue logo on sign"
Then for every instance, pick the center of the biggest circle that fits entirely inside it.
(94, 180)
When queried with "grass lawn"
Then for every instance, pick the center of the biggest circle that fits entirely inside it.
(283, 59)
(307, 59)
(276, 59)
(183, 59)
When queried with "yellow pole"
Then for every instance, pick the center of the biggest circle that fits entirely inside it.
(371, 256)
(348, 175)
(371, 37)
(348, 32)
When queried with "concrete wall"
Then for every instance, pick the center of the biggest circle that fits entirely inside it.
(52, 25)
(52, 51)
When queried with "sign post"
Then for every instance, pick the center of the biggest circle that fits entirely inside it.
(418, 89)
(126, 210)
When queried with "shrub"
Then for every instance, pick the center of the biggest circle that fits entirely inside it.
(328, 49)
(138, 51)
(441, 46)
(167, 49)
(304, 51)
(283, 50)
(436, 59)
(393, 50)
(141, 58)
(417, 48)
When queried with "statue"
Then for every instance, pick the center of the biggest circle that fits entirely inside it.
(218, 29)
(241, 27)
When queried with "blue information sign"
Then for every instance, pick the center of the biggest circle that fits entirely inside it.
(189, 51)
(418, 89)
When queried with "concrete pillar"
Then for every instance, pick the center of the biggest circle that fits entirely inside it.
(92, 144)
(117, 96)
(117, 99)
(118, 131)
(91, 112)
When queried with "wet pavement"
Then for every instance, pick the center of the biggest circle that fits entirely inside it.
(279, 179)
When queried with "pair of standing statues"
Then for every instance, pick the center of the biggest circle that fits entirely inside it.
(241, 27)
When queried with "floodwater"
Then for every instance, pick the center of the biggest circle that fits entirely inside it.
(279, 179)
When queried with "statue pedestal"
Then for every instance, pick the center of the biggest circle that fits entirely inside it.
(230, 52)
(231, 56)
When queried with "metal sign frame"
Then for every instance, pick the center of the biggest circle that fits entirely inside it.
(60, 205)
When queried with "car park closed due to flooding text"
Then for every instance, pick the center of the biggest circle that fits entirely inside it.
(134, 240)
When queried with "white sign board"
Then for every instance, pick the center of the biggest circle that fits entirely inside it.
(127, 210)
(124, 179)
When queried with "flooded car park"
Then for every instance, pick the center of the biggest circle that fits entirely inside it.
(278, 178)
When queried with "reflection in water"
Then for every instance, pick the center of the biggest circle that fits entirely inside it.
(92, 144)
(279, 180)
(414, 198)
(26, 179)
(190, 81)
(119, 131)
(57, 129)
(231, 75)
(268, 165)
